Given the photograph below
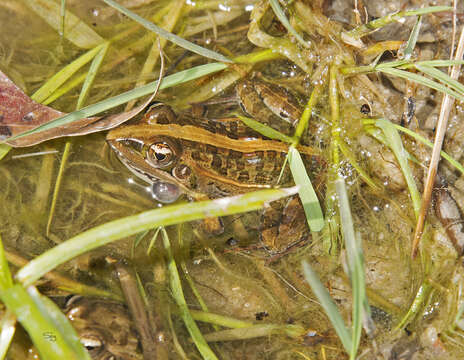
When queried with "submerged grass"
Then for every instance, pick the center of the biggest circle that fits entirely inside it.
(178, 295)
(47, 326)
(64, 74)
(88, 111)
(360, 308)
(396, 145)
(169, 36)
(131, 225)
(117, 229)
(366, 29)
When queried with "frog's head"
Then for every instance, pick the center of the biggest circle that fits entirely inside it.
(152, 156)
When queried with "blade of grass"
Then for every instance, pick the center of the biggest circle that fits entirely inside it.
(328, 305)
(306, 192)
(355, 266)
(376, 24)
(60, 322)
(441, 76)
(438, 63)
(264, 129)
(445, 109)
(89, 79)
(64, 283)
(307, 112)
(131, 225)
(94, 66)
(8, 326)
(4, 149)
(187, 276)
(56, 189)
(6, 281)
(420, 298)
(278, 11)
(7, 331)
(64, 74)
(76, 31)
(167, 35)
(421, 80)
(63, 18)
(396, 145)
(168, 81)
(221, 320)
(178, 295)
(352, 159)
(36, 318)
(257, 330)
(411, 44)
(423, 140)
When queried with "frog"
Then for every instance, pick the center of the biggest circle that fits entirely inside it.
(203, 158)
(104, 327)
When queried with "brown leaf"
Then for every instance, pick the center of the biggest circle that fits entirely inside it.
(19, 113)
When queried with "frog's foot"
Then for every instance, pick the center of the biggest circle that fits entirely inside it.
(283, 225)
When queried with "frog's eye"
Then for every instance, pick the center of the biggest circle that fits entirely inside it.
(159, 113)
(161, 154)
(92, 342)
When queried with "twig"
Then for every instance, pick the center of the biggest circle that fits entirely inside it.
(446, 104)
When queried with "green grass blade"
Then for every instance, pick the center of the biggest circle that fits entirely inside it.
(421, 80)
(441, 76)
(94, 67)
(421, 297)
(355, 265)
(221, 320)
(352, 159)
(439, 63)
(60, 322)
(56, 188)
(395, 143)
(328, 305)
(426, 142)
(168, 81)
(278, 11)
(76, 31)
(169, 36)
(307, 112)
(4, 149)
(306, 191)
(264, 129)
(168, 215)
(373, 25)
(36, 318)
(7, 331)
(6, 281)
(65, 88)
(178, 295)
(424, 11)
(63, 17)
(64, 74)
(411, 44)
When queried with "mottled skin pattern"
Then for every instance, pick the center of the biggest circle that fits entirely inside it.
(219, 161)
(105, 328)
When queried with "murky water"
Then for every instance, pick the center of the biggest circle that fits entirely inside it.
(232, 273)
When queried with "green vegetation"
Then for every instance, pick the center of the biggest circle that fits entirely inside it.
(331, 188)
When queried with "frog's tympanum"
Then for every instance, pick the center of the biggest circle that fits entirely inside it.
(104, 328)
(210, 158)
